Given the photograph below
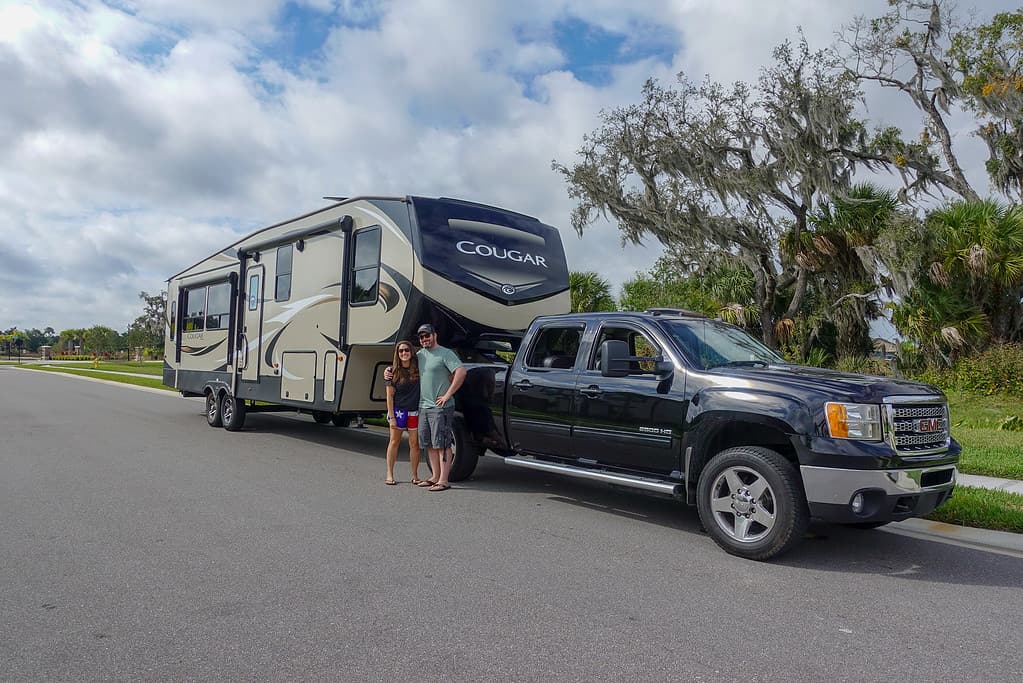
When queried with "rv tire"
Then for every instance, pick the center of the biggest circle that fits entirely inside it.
(466, 453)
(341, 420)
(321, 417)
(232, 412)
(213, 410)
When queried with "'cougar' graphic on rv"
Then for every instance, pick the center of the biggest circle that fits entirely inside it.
(304, 314)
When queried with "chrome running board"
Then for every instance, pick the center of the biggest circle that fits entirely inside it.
(595, 475)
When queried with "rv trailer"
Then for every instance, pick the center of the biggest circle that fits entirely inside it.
(303, 315)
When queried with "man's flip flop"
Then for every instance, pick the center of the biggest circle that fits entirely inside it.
(439, 487)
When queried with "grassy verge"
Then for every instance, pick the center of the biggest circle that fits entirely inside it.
(154, 383)
(986, 449)
(982, 509)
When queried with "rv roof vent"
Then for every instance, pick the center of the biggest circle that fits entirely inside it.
(336, 199)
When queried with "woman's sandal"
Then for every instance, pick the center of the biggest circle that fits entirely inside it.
(439, 487)
(390, 482)
(416, 482)
(427, 483)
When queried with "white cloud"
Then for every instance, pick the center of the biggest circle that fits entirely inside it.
(141, 136)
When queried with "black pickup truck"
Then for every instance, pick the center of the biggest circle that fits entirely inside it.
(697, 409)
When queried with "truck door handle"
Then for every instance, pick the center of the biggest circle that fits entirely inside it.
(592, 391)
(523, 384)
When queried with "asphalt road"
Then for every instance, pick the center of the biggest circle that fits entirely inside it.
(136, 543)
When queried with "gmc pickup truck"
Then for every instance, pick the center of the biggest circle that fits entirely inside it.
(697, 409)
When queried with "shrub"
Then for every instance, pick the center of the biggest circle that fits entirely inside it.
(864, 366)
(998, 370)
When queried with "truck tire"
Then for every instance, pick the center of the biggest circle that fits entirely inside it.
(466, 454)
(213, 410)
(232, 412)
(751, 502)
(321, 417)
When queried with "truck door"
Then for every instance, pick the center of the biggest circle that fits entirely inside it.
(541, 391)
(249, 351)
(631, 422)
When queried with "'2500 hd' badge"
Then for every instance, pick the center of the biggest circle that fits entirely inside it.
(655, 430)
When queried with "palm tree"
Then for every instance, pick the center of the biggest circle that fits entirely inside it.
(979, 255)
(590, 292)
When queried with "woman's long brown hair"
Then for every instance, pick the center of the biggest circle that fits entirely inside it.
(400, 373)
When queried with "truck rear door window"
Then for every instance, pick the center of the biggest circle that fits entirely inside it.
(555, 347)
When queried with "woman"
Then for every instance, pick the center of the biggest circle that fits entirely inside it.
(403, 409)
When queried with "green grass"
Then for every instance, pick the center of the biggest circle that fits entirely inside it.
(982, 509)
(123, 379)
(986, 449)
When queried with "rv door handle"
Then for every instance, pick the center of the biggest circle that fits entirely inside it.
(592, 391)
(523, 384)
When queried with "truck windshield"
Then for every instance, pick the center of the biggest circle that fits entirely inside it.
(710, 344)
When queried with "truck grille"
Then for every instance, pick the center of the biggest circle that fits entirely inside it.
(917, 428)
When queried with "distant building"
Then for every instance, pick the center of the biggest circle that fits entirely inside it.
(883, 348)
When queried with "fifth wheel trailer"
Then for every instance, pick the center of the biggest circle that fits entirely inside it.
(303, 315)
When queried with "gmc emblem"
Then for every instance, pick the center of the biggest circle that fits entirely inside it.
(929, 424)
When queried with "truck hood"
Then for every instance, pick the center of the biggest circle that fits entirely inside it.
(825, 385)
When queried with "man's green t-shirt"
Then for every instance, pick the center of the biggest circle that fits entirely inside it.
(435, 369)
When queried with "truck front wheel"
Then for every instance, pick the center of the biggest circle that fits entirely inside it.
(751, 503)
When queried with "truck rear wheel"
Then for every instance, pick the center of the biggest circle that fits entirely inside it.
(751, 503)
(213, 410)
(232, 412)
(466, 454)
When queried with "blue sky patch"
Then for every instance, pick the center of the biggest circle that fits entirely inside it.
(592, 51)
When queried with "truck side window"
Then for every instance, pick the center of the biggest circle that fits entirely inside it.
(639, 345)
(555, 347)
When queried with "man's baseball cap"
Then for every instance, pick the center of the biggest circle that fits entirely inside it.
(426, 328)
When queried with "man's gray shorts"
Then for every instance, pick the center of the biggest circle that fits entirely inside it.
(435, 427)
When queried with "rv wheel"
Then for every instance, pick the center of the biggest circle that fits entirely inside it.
(213, 410)
(341, 420)
(232, 412)
(321, 417)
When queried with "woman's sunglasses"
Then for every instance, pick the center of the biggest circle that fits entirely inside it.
(405, 349)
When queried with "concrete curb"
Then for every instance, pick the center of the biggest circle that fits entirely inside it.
(993, 483)
(163, 392)
(1001, 542)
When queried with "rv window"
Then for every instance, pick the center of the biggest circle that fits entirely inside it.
(282, 287)
(193, 305)
(218, 307)
(173, 318)
(366, 266)
(253, 291)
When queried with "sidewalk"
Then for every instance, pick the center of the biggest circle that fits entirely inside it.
(994, 483)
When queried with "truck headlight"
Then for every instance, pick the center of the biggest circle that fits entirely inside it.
(854, 421)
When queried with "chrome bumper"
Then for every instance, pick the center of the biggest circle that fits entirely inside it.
(834, 486)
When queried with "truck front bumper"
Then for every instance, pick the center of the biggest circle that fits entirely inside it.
(849, 496)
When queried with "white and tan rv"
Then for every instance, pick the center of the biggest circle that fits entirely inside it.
(303, 315)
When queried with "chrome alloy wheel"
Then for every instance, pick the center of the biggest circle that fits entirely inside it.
(227, 409)
(211, 407)
(743, 504)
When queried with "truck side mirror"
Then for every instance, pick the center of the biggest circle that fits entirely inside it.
(614, 355)
(663, 368)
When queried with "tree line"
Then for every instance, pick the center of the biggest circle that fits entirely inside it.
(146, 332)
(756, 190)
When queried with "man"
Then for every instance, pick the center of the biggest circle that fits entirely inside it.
(440, 375)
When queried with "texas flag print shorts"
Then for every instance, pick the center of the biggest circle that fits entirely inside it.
(406, 419)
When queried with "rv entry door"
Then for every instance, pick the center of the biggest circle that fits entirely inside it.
(251, 345)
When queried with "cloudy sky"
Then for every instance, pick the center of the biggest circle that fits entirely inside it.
(139, 136)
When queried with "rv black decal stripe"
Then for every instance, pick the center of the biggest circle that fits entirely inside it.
(389, 296)
(204, 350)
(268, 357)
(332, 284)
(334, 342)
(404, 284)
